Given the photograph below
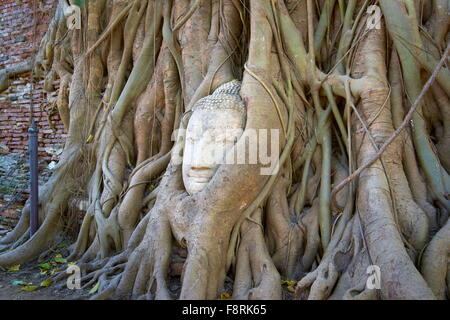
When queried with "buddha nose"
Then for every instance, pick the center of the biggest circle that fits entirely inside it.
(203, 154)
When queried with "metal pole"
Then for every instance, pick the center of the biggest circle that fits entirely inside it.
(34, 185)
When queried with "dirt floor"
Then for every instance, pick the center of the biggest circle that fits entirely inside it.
(17, 280)
(31, 274)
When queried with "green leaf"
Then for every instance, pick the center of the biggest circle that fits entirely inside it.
(56, 270)
(29, 288)
(58, 258)
(89, 139)
(95, 288)
(14, 268)
(79, 3)
(290, 284)
(47, 282)
(225, 296)
(63, 244)
(45, 266)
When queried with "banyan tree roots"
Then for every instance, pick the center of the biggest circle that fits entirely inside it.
(359, 92)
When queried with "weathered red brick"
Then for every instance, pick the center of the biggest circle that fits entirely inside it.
(16, 36)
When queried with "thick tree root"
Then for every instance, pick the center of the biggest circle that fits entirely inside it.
(435, 262)
(256, 276)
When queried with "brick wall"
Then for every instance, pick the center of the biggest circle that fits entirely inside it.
(16, 45)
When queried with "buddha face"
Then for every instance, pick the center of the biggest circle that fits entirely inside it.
(209, 135)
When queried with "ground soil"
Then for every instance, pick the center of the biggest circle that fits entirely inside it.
(30, 273)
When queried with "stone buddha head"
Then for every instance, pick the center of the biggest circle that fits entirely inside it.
(216, 123)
